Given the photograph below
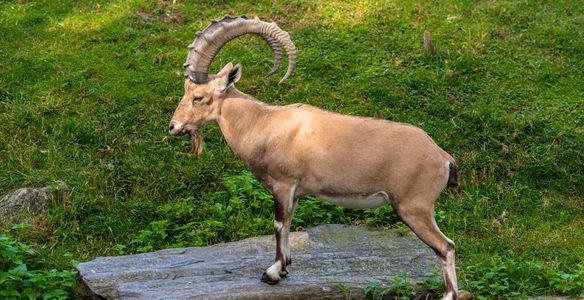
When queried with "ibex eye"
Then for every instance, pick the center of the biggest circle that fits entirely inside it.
(197, 99)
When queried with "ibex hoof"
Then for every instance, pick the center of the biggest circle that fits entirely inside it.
(288, 261)
(269, 280)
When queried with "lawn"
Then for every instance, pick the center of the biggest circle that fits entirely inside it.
(87, 89)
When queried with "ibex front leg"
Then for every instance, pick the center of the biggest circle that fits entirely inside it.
(285, 203)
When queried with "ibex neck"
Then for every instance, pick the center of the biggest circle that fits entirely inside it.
(240, 116)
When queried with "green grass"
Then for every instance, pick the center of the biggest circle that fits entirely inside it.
(87, 89)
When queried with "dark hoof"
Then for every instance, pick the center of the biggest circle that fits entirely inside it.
(268, 280)
(288, 261)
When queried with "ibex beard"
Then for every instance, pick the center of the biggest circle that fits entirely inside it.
(299, 150)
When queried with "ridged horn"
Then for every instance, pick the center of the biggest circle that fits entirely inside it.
(277, 50)
(209, 41)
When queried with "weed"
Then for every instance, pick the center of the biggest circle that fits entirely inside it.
(402, 288)
(22, 273)
(504, 277)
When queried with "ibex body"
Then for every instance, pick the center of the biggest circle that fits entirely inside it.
(299, 150)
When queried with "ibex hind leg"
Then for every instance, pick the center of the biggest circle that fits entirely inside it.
(421, 221)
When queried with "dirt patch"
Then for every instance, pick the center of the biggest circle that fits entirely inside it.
(162, 11)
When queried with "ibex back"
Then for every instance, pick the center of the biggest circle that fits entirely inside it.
(299, 149)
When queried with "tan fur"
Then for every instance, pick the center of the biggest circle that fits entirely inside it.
(299, 149)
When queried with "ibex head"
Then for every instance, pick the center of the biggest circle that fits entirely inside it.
(204, 94)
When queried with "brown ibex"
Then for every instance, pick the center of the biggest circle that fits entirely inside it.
(299, 149)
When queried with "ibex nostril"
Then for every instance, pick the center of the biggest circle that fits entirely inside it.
(171, 127)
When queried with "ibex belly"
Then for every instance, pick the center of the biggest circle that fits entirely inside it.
(359, 201)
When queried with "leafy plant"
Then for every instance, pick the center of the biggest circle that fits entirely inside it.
(567, 283)
(402, 288)
(498, 277)
(22, 274)
(149, 239)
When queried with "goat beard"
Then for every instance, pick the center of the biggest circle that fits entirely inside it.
(197, 142)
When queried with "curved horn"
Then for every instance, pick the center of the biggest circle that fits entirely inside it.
(209, 41)
(275, 45)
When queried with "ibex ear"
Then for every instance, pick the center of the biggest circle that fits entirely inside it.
(233, 75)
(225, 70)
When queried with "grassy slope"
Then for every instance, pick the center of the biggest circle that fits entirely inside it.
(87, 90)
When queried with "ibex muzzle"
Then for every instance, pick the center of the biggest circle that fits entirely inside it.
(299, 150)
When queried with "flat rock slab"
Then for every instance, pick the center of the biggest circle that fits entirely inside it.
(328, 262)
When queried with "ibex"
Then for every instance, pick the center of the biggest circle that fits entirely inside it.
(298, 149)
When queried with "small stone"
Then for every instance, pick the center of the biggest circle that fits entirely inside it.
(464, 295)
(18, 206)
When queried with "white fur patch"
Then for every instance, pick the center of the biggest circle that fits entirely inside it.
(278, 225)
(450, 273)
(449, 296)
(450, 269)
(359, 201)
(274, 270)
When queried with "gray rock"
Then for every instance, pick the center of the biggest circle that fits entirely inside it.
(17, 206)
(329, 262)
